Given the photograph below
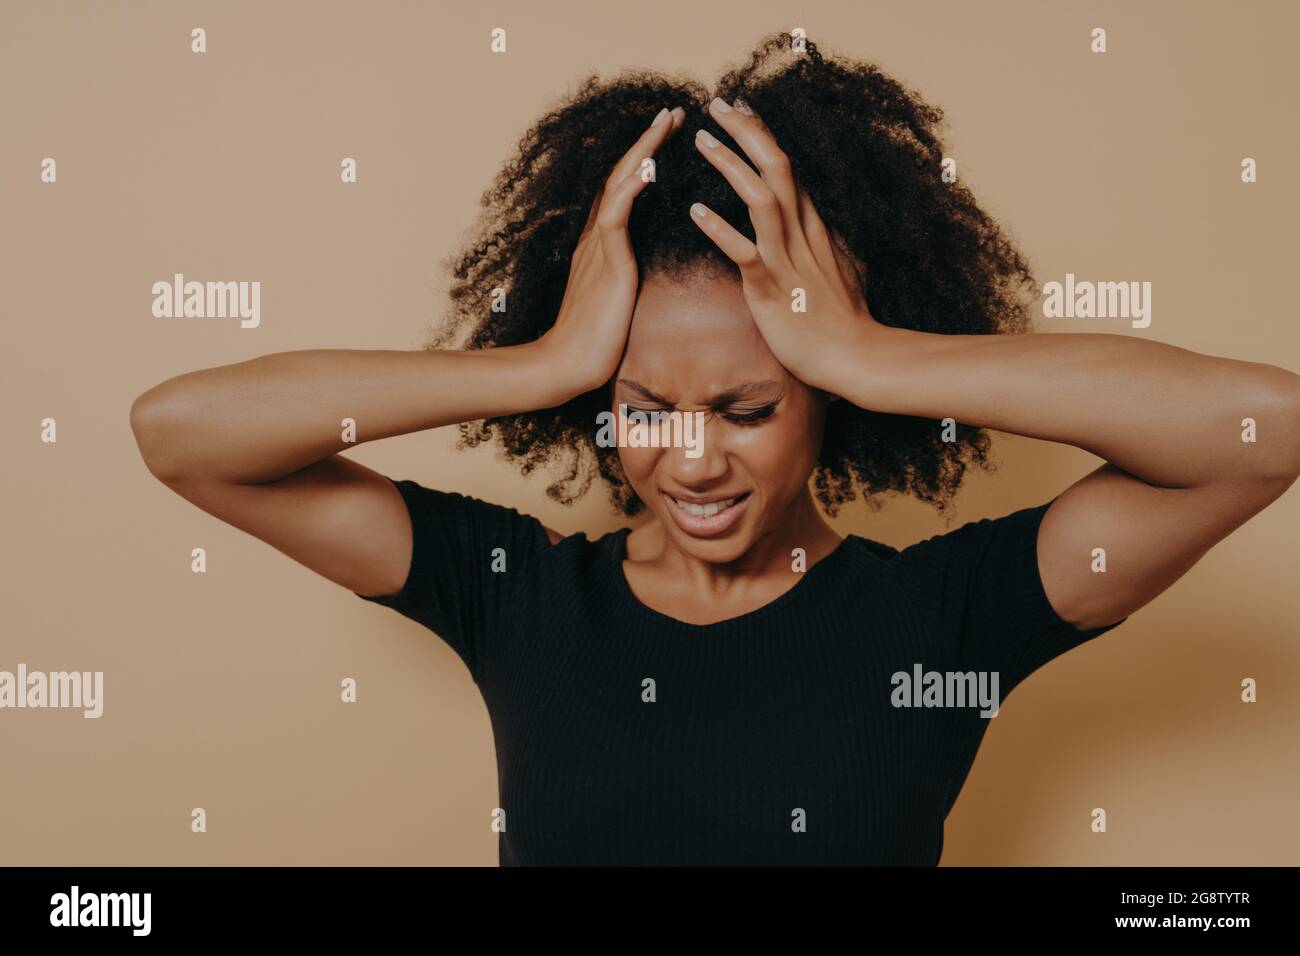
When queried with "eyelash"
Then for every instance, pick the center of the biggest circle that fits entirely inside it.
(736, 418)
(750, 418)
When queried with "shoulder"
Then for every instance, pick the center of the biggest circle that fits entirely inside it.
(965, 540)
(985, 558)
(445, 523)
(871, 551)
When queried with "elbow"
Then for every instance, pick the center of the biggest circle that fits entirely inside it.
(155, 415)
(1280, 445)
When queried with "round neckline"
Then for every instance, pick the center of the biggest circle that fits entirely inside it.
(617, 553)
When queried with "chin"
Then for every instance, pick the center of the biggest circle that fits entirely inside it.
(723, 551)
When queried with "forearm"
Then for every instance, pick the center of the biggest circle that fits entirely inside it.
(268, 417)
(1166, 415)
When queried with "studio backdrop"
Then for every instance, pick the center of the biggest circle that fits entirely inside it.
(334, 153)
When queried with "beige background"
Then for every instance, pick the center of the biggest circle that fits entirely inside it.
(222, 690)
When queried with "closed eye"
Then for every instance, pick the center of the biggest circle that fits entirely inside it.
(749, 418)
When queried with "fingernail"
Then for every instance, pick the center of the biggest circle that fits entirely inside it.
(660, 116)
(721, 104)
(698, 210)
(707, 138)
(743, 107)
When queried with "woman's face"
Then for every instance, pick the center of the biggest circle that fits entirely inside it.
(693, 347)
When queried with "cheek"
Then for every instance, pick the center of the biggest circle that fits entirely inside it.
(779, 454)
(638, 463)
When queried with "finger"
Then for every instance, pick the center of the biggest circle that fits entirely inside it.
(853, 269)
(819, 240)
(645, 146)
(591, 213)
(753, 270)
(760, 145)
(764, 209)
(611, 220)
(663, 126)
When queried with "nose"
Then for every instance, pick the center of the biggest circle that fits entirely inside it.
(700, 462)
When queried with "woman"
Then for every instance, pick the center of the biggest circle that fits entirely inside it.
(732, 682)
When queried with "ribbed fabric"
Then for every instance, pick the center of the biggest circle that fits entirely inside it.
(771, 738)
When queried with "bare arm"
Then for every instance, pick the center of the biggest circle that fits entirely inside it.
(257, 443)
(264, 419)
(1179, 478)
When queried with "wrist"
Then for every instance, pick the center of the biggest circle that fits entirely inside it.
(861, 370)
(550, 377)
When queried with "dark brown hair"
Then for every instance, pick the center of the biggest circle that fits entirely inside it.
(862, 146)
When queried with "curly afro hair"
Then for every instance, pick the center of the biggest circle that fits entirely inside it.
(865, 150)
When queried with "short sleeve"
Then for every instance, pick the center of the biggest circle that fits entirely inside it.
(468, 557)
(980, 585)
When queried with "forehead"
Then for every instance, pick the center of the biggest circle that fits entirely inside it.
(694, 334)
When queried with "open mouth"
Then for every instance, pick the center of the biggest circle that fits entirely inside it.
(706, 520)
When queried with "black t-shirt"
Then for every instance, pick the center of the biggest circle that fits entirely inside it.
(624, 736)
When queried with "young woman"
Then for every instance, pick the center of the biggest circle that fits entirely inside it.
(732, 682)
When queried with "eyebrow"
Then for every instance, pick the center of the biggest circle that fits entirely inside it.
(724, 397)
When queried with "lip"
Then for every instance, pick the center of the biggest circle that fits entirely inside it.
(710, 526)
(706, 499)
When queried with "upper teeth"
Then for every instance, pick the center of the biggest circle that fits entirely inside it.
(704, 511)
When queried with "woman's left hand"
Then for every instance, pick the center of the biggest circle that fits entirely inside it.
(795, 265)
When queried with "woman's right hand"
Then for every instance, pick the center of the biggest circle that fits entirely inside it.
(587, 340)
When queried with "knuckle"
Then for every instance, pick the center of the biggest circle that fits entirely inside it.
(779, 161)
(765, 200)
